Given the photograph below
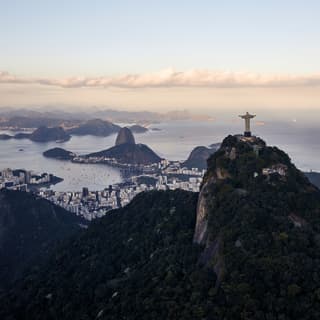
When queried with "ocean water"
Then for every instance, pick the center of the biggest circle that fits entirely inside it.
(76, 176)
(177, 139)
(174, 141)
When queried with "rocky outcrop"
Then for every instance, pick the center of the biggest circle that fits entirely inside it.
(212, 254)
(126, 151)
(201, 228)
(198, 157)
(125, 136)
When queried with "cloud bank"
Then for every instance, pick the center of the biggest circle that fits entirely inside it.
(171, 78)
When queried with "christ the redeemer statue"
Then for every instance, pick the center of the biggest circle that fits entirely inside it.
(247, 117)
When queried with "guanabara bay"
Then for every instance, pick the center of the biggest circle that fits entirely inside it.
(246, 247)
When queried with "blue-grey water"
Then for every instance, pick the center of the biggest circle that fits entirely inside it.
(174, 142)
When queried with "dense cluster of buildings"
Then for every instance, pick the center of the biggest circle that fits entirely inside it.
(19, 179)
(91, 204)
(280, 169)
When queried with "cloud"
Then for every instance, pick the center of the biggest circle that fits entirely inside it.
(171, 78)
(6, 77)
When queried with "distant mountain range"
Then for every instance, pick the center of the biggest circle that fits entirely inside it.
(95, 127)
(28, 118)
(18, 122)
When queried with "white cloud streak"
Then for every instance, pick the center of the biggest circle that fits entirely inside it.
(171, 78)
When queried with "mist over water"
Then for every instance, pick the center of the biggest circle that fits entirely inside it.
(174, 141)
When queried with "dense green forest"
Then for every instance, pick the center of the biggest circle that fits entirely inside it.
(270, 229)
(137, 263)
(260, 260)
(29, 228)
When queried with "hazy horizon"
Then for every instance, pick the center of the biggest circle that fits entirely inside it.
(158, 57)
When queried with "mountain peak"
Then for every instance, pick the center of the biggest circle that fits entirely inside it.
(125, 136)
(247, 159)
(250, 191)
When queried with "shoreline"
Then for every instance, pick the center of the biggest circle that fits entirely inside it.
(35, 187)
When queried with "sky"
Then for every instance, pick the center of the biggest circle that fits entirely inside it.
(161, 55)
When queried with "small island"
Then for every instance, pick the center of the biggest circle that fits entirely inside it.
(59, 153)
